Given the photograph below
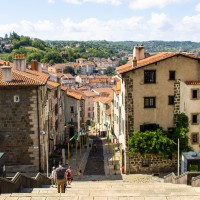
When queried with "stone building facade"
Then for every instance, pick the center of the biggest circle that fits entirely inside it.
(23, 96)
(152, 91)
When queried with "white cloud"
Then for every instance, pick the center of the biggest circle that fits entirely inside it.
(94, 29)
(24, 27)
(198, 7)
(113, 2)
(158, 27)
(145, 4)
(51, 1)
(159, 21)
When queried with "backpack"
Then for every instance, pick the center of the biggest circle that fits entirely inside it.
(60, 173)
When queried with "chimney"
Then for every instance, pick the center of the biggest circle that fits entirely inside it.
(138, 52)
(6, 72)
(134, 62)
(39, 67)
(34, 65)
(20, 62)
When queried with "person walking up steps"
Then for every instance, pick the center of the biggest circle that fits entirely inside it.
(69, 175)
(60, 177)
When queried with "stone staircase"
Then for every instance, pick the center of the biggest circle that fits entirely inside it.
(132, 187)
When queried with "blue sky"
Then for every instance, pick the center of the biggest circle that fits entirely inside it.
(112, 20)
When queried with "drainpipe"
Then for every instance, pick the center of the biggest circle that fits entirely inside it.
(38, 119)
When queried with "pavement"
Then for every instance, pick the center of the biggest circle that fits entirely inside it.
(112, 185)
(84, 164)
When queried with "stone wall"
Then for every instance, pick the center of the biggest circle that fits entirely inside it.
(176, 99)
(157, 164)
(19, 126)
(130, 106)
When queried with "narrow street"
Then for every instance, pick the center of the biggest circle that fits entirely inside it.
(95, 162)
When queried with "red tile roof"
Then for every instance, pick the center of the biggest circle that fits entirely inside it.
(68, 76)
(192, 82)
(28, 78)
(64, 88)
(89, 93)
(102, 90)
(52, 84)
(74, 94)
(150, 60)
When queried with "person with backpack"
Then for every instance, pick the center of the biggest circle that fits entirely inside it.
(69, 175)
(60, 177)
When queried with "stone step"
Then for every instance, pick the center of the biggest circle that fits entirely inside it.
(110, 191)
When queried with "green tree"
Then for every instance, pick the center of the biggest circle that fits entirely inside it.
(53, 56)
(37, 43)
(110, 71)
(34, 56)
(69, 70)
(153, 142)
(181, 131)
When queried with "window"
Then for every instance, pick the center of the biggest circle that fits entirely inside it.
(195, 94)
(149, 76)
(172, 75)
(195, 119)
(149, 102)
(194, 138)
(149, 127)
(88, 108)
(88, 114)
(16, 99)
(171, 100)
(72, 109)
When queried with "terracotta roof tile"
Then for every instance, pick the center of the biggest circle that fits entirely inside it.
(150, 60)
(52, 84)
(89, 93)
(68, 76)
(74, 94)
(64, 88)
(57, 74)
(27, 78)
(192, 82)
(98, 81)
(102, 90)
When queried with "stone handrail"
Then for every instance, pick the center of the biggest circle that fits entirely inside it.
(20, 181)
(195, 182)
(170, 178)
(185, 178)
